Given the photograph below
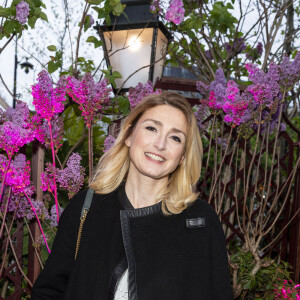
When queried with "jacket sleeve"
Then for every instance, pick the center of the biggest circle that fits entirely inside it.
(220, 272)
(53, 280)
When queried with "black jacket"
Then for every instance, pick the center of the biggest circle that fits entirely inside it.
(178, 257)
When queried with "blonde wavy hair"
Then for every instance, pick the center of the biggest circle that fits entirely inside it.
(181, 191)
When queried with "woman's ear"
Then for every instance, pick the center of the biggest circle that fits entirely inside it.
(181, 159)
(128, 140)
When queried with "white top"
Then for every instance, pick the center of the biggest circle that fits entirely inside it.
(122, 287)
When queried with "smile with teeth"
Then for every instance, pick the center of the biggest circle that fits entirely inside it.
(155, 157)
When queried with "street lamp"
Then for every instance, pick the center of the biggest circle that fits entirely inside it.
(135, 45)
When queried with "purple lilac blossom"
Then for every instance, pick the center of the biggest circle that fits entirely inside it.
(175, 12)
(108, 143)
(218, 86)
(72, 177)
(208, 54)
(289, 71)
(201, 114)
(48, 100)
(2, 116)
(40, 209)
(237, 46)
(19, 115)
(202, 88)
(40, 239)
(137, 94)
(22, 12)
(90, 95)
(91, 20)
(53, 217)
(259, 48)
(155, 7)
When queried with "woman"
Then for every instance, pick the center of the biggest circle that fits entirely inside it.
(146, 229)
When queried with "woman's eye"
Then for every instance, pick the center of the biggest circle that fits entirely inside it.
(150, 128)
(176, 139)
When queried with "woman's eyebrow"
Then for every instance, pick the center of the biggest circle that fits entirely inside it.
(158, 123)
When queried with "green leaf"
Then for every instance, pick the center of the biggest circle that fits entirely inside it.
(32, 21)
(4, 12)
(95, 2)
(118, 9)
(101, 13)
(51, 48)
(81, 59)
(9, 26)
(52, 66)
(95, 41)
(124, 105)
(116, 75)
(43, 16)
(106, 120)
(108, 20)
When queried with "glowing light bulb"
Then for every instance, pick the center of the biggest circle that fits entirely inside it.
(134, 43)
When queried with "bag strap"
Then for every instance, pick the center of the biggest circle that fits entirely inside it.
(84, 211)
(87, 201)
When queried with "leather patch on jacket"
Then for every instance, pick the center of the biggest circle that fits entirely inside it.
(195, 222)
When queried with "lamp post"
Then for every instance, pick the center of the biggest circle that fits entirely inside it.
(135, 45)
(27, 65)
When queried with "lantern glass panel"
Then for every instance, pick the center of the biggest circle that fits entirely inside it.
(161, 48)
(128, 51)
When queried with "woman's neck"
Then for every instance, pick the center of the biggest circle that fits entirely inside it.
(142, 190)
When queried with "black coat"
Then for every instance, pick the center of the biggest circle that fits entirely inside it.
(178, 257)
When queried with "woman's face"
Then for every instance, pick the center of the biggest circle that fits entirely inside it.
(158, 141)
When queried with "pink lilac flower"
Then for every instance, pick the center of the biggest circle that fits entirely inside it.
(15, 131)
(42, 131)
(108, 143)
(72, 177)
(90, 95)
(175, 12)
(232, 90)
(288, 290)
(155, 7)
(47, 177)
(48, 100)
(22, 12)
(137, 94)
(18, 175)
(13, 137)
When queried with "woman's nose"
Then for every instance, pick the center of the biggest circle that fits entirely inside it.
(160, 143)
